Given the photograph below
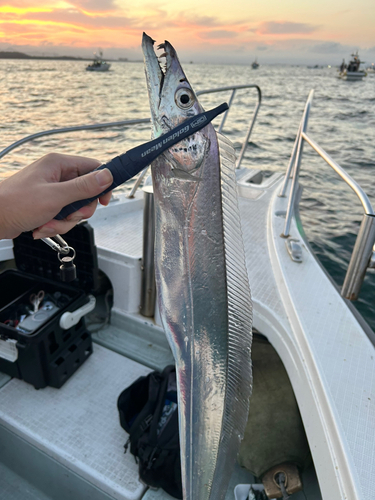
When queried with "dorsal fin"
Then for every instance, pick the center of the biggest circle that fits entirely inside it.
(239, 374)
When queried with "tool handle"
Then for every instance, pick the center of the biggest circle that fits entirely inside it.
(129, 164)
(120, 174)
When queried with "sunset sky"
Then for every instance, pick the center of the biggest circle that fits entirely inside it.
(287, 31)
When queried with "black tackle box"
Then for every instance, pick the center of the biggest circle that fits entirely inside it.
(33, 345)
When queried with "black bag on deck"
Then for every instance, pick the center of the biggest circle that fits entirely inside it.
(148, 413)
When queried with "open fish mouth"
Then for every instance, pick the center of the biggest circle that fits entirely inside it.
(153, 67)
(157, 67)
(172, 99)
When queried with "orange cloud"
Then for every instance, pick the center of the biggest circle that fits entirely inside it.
(218, 34)
(96, 6)
(285, 28)
(197, 29)
(89, 21)
(94, 21)
(7, 9)
(37, 22)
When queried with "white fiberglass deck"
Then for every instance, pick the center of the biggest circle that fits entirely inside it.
(78, 425)
(329, 358)
(118, 227)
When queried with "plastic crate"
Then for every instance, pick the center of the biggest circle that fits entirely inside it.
(47, 354)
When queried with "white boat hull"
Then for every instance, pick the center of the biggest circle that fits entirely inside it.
(102, 67)
(352, 75)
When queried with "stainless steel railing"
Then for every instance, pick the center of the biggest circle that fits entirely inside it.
(126, 123)
(363, 255)
(65, 130)
(233, 88)
(295, 162)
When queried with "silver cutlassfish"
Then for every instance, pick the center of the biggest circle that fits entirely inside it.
(203, 290)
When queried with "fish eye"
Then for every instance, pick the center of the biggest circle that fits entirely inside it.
(184, 98)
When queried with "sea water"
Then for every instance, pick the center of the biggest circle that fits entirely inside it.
(41, 95)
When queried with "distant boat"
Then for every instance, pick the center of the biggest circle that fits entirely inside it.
(371, 69)
(98, 64)
(255, 64)
(351, 71)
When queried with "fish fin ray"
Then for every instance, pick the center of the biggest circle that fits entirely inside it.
(239, 375)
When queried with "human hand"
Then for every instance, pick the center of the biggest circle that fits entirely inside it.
(31, 198)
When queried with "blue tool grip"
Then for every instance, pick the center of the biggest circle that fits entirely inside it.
(129, 164)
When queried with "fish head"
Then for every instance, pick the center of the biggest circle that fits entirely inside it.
(172, 101)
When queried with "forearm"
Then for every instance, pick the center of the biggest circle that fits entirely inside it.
(9, 225)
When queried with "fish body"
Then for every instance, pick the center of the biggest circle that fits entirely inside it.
(203, 290)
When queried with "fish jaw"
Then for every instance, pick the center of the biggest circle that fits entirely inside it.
(154, 78)
(172, 99)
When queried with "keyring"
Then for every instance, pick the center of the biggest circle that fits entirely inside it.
(66, 255)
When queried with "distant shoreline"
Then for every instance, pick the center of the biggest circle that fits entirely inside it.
(21, 55)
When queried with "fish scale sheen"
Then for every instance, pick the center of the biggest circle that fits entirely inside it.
(203, 293)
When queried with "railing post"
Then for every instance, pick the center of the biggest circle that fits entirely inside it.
(227, 111)
(360, 258)
(250, 129)
(137, 183)
(291, 163)
(363, 256)
(293, 189)
(148, 287)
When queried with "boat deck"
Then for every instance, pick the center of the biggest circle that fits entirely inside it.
(78, 424)
(329, 358)
(324, 348)
(74, 434)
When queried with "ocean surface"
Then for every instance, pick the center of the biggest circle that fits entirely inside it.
(42, 95)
